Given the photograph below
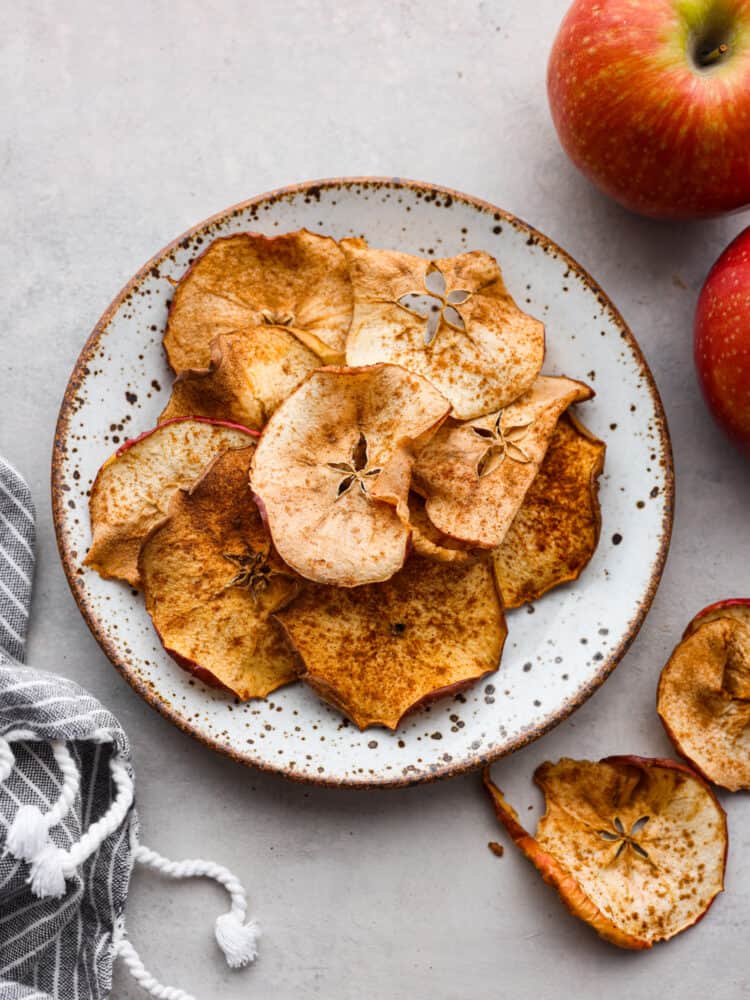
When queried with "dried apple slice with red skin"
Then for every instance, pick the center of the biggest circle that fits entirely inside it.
(635, 846)
(212, 583)
(474, 474)
(451, 320)
(730, 607)
(556, 530)
(380, 651)
(250, 374)
(296, 281)
(332, 469)
(133, 488)
(703, 698)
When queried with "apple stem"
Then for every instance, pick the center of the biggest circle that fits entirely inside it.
(708, 58)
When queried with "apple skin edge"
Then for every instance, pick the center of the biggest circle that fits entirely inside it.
(449, 691)
(722, 341)
(735, 607)
(200, 673)
(643, 116)
(127, 445)
(204, 675)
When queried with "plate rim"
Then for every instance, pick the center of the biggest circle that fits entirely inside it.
(152, 697)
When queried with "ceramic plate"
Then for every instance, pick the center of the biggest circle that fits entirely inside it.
(558, 651)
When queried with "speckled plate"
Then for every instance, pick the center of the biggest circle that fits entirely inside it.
(558, 651)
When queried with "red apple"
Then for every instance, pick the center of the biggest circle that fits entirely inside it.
(651, 101)
(722, 340)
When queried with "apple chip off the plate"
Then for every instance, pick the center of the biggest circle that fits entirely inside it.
(250, 374)
(212, 581)
(377, 651)
(451, 320)
(636, 847)
(296, 281)
(556, 530)
(133, 488)
(704, 695)
(475, 474)
(332, 470)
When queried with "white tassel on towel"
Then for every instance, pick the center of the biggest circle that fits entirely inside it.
(53, 865)
(29, 832)
(48, 871)
(237, 938)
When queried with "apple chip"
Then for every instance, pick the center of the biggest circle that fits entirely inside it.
(704, 698)
(295, 281)
(474, 474)
(212, 583)
(555, 533)
(427, 541)
(133, 488)
(451, 320)
(332, 469)
(249, 375)
(636, 847)
(378, 651)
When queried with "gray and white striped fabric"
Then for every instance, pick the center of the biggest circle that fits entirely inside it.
(17, 537)
(53, 949)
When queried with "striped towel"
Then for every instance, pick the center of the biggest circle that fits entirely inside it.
(68, 827)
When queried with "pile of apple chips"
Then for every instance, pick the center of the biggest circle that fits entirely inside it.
(360, 466)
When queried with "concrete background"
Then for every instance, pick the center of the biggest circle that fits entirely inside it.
(123, 124)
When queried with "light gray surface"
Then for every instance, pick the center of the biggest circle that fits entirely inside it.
(121, 126)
